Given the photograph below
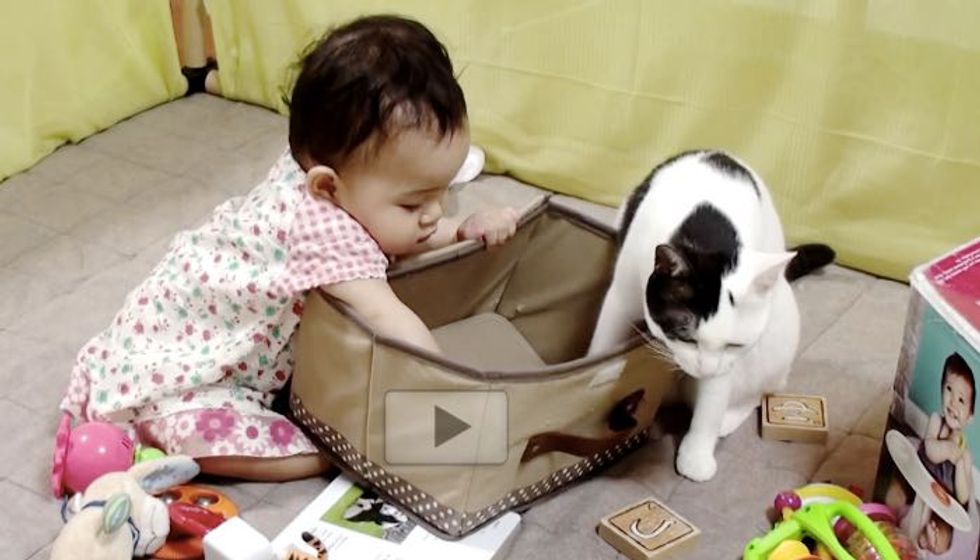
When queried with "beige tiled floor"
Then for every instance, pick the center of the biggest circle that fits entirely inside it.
(85, 225)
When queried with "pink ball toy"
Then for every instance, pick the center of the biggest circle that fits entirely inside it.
(87, 452)
(787, 500)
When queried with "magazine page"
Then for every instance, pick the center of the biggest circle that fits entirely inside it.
(353, 523)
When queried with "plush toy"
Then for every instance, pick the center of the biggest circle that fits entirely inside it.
(118, 517)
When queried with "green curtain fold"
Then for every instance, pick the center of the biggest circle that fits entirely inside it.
(69, 69)
(860, 115)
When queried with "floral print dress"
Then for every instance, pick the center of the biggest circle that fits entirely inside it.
(192, 362)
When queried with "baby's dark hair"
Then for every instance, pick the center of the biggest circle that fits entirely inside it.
(956, 365)
(373, 76)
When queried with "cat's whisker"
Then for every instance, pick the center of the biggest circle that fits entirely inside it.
(663, 355)
(666, 356)
(656, 349)
(648, 339)
(659, 350)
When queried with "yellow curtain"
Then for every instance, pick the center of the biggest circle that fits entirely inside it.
(69, 69)
(862, 116)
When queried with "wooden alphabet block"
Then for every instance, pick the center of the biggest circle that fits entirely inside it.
(648, 529)
(794, 418)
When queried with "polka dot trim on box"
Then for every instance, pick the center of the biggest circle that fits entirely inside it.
(441, 518)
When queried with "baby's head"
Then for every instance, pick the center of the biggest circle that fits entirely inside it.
(378, 121)
(959, 392)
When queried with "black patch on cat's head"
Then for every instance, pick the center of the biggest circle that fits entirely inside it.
(685, 286)
(727, 165)
(640, 192)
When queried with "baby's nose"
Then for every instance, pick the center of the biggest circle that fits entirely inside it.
(431, 214)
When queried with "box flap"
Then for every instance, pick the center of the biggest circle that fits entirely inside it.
(952, 285)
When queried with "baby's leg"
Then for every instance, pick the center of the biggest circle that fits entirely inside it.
(266, 469)
(248, 442)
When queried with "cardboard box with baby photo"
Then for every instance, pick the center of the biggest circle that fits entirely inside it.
(928, 469)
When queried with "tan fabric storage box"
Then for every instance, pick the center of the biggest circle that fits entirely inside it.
(515, 321)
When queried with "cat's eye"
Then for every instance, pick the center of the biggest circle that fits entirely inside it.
(734, 346)
(731, 298)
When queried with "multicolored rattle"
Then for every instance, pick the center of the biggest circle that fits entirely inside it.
(816, 520)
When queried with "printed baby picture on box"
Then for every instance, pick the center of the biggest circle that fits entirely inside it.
(927, 469)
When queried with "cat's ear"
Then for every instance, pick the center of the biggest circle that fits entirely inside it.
(670, 263)
(771, 267)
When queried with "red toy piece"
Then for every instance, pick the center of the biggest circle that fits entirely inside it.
(194, 511)
(191, 520)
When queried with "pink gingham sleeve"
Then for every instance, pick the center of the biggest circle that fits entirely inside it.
(327, 246)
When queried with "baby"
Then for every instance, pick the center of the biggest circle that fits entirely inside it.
(944, 450)
(936, 536)
(193, 361)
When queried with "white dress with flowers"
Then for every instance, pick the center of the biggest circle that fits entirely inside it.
(195, 357)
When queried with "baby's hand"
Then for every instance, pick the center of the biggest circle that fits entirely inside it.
(494, 226)
(959, 454)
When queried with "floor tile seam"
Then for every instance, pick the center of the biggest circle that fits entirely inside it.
(45, 497)
(38, 169)
(6, 261)
(123, 155)
(167, 175)
(17, 404)
(831, 451)
(115, 252)
(33, 554)
(56, 230)
(18, 328)
(101, 214)
(851, 305)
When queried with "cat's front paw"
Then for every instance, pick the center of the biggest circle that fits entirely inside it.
(696, 460)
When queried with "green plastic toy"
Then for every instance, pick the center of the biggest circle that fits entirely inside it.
(816, 521)
(144, 453)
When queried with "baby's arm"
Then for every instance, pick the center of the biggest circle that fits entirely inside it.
(380, 307)
(963, 479)
(939, 450)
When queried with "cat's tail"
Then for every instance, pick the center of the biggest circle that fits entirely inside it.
(809, 257)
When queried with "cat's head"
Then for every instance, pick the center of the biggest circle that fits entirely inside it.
(708, 309)
(364, 505)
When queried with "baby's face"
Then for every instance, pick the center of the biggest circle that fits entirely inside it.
(398, 193)
(957, 397)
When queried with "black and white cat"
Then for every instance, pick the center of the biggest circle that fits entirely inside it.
(703, 263)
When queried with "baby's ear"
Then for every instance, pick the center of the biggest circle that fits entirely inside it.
(322, 182)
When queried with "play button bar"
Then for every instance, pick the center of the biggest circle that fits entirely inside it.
(445, 427)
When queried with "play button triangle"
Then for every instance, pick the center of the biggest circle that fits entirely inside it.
(448, 426)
